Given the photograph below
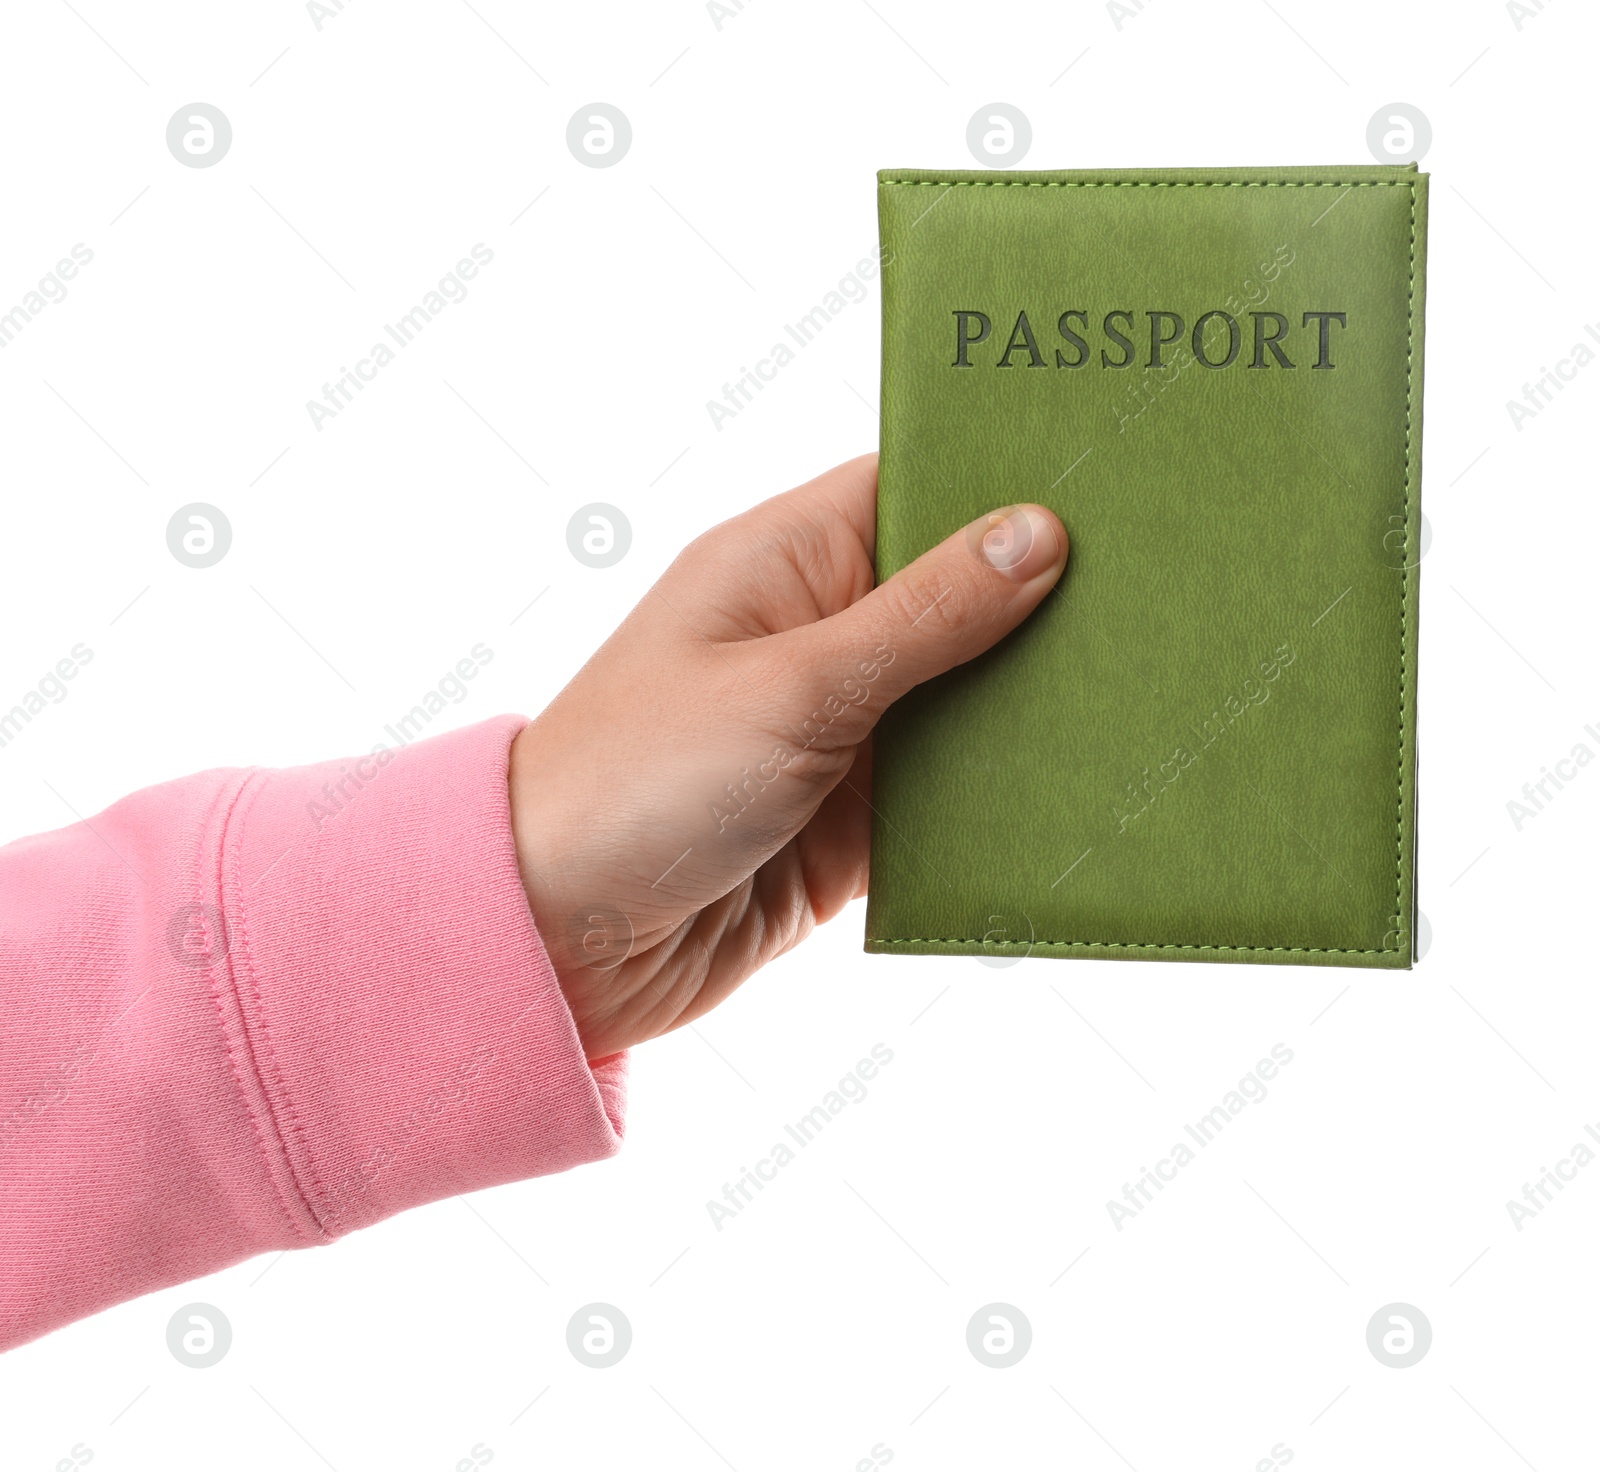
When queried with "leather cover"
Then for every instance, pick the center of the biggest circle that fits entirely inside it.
(1202, 746)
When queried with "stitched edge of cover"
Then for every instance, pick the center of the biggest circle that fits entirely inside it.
(1150, 183)
(1405, 576)
(1405, 585)
(1114, 945)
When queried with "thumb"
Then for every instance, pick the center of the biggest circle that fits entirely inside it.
(948, 606)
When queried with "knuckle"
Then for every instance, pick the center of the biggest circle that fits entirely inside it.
(828, 724)
(819, 764)
(927, 598)
(700, 556)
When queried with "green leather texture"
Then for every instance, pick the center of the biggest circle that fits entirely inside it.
(1202, 745)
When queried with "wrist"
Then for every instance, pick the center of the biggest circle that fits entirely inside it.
(532, 828)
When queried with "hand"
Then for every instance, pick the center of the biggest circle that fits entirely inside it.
(696, 800)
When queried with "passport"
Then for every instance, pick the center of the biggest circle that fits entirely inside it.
(1202, 745)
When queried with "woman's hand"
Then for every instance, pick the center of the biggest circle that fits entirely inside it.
(697, 799)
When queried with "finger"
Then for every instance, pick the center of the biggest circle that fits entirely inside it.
(792, 559)
(947, 607)
(848, 493)
(836, 844)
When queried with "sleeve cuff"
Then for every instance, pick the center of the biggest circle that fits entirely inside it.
(396, 1024)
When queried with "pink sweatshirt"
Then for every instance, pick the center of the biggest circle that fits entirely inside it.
(257, 1009)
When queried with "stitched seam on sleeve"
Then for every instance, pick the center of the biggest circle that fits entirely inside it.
(268, 1076)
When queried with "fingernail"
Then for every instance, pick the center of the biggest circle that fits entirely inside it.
(1018, 542)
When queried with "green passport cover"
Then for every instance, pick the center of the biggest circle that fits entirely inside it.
(1202, 745)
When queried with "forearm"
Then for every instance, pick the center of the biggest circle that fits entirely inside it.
(253, 1010)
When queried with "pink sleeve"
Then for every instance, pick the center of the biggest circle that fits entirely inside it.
(253, 1010)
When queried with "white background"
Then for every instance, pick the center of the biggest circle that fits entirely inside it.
(830, 1316)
